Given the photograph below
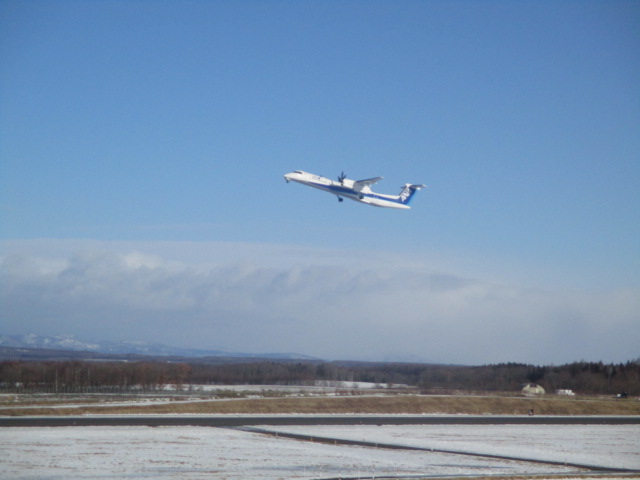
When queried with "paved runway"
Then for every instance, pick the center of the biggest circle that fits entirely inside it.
(248, 420)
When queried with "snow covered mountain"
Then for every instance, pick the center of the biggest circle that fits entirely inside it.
(70, 342)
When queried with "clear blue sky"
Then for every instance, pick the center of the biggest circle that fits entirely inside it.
(128, 125)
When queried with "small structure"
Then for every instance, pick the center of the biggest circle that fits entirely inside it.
(565, 391)
(531, 389)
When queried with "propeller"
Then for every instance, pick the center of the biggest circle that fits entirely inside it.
(341, 177)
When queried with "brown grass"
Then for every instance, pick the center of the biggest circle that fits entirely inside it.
(397, 404)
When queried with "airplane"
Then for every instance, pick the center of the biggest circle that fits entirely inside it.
(357, 190)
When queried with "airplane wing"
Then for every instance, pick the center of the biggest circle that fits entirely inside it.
(360, 184)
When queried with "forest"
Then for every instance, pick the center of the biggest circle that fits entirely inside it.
(69, 376)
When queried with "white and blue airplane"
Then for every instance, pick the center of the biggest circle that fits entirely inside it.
(357, 190)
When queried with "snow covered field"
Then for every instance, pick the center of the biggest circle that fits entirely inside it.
(600, 446)
(207, 453)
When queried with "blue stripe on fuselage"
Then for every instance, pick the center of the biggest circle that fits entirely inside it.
(349, 192)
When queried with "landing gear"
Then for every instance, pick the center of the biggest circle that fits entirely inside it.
(340, 199)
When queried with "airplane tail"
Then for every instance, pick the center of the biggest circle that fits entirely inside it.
(408, 191)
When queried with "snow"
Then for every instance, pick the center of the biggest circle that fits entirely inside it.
(207, 452)
(611, 446)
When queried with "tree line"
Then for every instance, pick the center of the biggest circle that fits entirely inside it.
(76, 376)
(153, 376)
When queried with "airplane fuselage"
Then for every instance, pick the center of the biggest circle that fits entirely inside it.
(358, 191)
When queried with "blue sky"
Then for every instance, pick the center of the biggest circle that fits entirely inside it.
(161, 131)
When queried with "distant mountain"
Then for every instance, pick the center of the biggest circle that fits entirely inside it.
(70, 342)
(59, 342)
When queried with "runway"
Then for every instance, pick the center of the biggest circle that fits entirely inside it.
(248, 420)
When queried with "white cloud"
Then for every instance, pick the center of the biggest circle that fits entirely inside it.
(333, 304)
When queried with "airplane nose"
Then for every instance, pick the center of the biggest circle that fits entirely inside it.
(290, 176)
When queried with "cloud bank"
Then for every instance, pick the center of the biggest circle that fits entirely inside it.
(331, 304)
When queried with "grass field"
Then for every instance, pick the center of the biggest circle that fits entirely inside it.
(375, 404)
